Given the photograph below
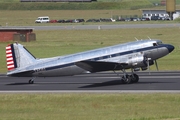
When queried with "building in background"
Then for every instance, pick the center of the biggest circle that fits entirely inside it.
(171, 13)
(16, 34)
(160, 13)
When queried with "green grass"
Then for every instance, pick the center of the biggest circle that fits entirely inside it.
(61, 42)
(99, 5)
(75, 5)
(89, 106)
(12, 1)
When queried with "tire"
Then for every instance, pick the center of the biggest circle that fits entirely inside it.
(126, 80)
(134, 78)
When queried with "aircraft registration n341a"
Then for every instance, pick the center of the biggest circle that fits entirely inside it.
(136, 55)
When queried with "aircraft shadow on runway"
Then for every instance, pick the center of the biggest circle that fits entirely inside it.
(91, 85)
(117, 82)
(18, 84)
(108, 83)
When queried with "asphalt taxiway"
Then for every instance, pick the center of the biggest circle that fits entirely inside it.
(163, 81)
(90, 27)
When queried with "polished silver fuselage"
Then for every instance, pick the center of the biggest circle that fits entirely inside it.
(123, 53)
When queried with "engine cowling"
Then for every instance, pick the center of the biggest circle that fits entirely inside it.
(139, 60)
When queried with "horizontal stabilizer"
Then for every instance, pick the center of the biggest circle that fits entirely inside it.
(98, 66)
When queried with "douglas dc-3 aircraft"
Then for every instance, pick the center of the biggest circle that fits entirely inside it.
(133, 55)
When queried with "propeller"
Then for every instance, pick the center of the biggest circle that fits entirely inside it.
(148, 65)
(148, 59)
(156, 65)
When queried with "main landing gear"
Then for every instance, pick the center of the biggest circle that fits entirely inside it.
(128, 79)
(31, 81)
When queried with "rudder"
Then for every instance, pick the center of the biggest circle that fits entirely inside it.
(10, 58)
(17, 56)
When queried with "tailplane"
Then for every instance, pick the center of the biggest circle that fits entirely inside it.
(17, 56)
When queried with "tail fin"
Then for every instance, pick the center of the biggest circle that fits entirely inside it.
(10, 58)
(17, 56)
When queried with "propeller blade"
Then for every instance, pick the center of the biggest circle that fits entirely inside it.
(148, 65)
(156, 65)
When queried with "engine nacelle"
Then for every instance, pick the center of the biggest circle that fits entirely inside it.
(139, 60)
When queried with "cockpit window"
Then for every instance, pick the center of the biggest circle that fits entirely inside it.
(155, 44)
(159, 42)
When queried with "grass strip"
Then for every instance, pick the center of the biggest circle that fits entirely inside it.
(75, 5)
(89, 106)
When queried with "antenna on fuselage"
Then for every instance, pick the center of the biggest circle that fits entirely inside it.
(136, 39)
(149, 37)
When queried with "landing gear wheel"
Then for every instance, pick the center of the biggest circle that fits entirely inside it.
(31, 81)
(134, 78)
(127, 79)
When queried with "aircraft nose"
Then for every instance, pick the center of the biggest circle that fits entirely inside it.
(170, 48)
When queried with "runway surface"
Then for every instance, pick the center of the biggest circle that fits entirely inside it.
(167, 81)
(83, 27)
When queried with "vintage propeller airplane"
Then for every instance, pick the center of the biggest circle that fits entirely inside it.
(136, 55)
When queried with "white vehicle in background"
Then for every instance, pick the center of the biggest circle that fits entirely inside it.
(43, 19)
(112, 20)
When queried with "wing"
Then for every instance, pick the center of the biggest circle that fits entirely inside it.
(98, 66)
